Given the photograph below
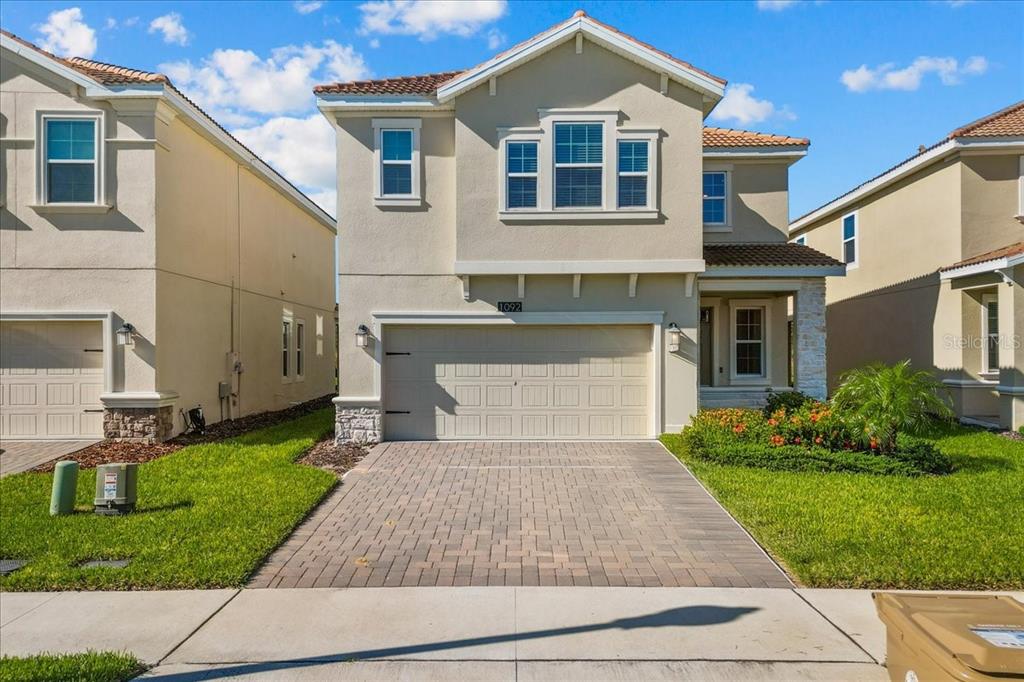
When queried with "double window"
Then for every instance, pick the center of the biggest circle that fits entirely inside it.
(850, 239)
(633, 173)
(521, 170)
(579, 165)
(70, 158)
(293, 348)
(715, 190)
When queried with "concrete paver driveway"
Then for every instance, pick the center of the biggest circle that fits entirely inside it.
(21, 455)
(526, 513)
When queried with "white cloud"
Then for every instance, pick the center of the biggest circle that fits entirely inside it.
(958, 3)
(740, 105)
(774, 5)
(233, 85)
(307, 6)
(301, 149)
(66, 34)
(374, 43)
(888, 77)
(110, 23)
(430, 18)
(495, 39)
(170, 25)
(130, 21)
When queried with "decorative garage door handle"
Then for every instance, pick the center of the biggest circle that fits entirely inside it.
(99, 410)
(397, 412)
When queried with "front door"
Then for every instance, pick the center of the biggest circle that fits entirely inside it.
(706, 341)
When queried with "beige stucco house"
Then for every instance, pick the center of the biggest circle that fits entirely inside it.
(125, 207)
(933, 251)
(552, 245)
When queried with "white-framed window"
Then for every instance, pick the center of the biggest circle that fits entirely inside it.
(300, 350)
(579, 164)
(521, 172)
(750, 361)
(578, 168)
(850, 245)
(801, 240)
(634, 187)
(396, 161)
(1020, 191)
(286, 349)
(990, 334)
(716, 197)
(70, 166)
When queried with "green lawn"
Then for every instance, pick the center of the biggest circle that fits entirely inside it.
(960, 531)
(89, 667)
(207, 515)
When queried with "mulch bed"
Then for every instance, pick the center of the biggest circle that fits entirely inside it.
(109, 451)
(337, 458)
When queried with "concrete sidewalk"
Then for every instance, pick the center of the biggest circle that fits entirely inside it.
(487, 633)
(479, 633)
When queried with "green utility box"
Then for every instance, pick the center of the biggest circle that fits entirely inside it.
(116, 486)
(966, 637)
(65, 482)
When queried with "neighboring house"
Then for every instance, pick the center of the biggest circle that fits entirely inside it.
(934, 249)
(551, 245)
(126, 208)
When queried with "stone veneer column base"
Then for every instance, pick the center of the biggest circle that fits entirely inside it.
(358, 423)
(138, 424)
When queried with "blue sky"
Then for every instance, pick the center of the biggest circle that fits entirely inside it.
(867, 82)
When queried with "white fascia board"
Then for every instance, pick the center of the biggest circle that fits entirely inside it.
(780, 271)
(47, 63)
(598, 34)
(939, 152)
(983, 267)
(378, 103)
(585, 267)
(542, 318)
(794, 152)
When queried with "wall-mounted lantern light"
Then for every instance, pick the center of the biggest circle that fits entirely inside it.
(126, 335)
(362, 336)
(674, 334)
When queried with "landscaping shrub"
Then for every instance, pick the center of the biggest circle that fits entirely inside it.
(785, 400)
(813, 437)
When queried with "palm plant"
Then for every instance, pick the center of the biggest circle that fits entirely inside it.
(888, 400)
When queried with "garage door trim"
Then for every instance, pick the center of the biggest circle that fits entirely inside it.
(654, 318)
(107, 318)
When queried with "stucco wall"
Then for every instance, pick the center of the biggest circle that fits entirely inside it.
(990, 202)
(759, 202)
(777, 311)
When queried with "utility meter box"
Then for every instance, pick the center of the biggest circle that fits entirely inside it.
(116, 486)
(952, 637)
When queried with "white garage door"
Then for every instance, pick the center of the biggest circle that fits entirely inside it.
(51, 377)
(517, 382)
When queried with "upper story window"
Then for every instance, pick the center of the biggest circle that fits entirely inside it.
(850, 239)
(633, 172)
(521, 168)
(715, 189)
(801, 240)
(397, 152)
(579, 165)
(70, 158)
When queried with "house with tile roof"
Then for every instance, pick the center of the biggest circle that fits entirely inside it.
(551, 244)
(935, 265)
(150, 263)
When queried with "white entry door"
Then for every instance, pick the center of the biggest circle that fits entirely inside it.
(517, 382)
(51, 378)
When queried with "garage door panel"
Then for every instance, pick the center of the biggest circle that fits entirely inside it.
(52, 379)
(510, 385)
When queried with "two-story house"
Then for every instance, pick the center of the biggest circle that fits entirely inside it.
(934, 251)
(552, 245)
(149, 262)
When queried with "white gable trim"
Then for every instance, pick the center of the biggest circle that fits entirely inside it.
(599, 34)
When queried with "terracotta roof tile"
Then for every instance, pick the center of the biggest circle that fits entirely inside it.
(728, 137)
(426, 84)
(1008, 121)
(1004, 252)
(766, 255)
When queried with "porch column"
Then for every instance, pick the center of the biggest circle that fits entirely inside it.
(809, 338)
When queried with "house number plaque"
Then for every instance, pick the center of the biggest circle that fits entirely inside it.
(510, 306)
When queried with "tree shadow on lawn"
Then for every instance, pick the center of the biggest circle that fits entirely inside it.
(979, 464)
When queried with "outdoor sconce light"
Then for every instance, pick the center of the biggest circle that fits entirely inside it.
(362, 336)
(126, 335)
(673, 337)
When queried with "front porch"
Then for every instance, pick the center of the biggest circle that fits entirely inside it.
(762, 323)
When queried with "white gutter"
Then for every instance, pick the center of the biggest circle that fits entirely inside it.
(904, 169)
(350, 102)
(984, 267)
(776, 271)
